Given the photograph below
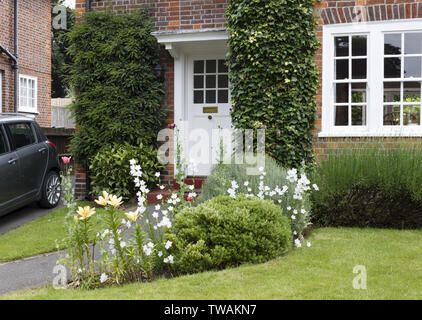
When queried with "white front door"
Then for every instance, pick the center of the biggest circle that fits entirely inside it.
(208, 109)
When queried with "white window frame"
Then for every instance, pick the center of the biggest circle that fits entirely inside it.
(27, 109)
(375, 77)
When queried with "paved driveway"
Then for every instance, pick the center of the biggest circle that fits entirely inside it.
(19, 217)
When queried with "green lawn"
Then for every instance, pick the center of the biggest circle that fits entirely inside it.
(36, 237)
(393, 260)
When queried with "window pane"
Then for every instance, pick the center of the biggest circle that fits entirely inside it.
(223, 81)
(223, 96)
(22, 134)
(198, 66)
(211, 66)
(359, 46)
(3, 145)
(342, 92)
(392, 43)
(391, 115)
(358, 115)
(412, 67)
(358, 92)
(411, 115)
(392, 68)
(412, 43)
(411, 92)
(392, 92)
(342, 116)
(359, 68)
(198, 82)
(198, 97)
(222, 66)
(342, 46)
(211, 81)
(342, 69)
(211, 96)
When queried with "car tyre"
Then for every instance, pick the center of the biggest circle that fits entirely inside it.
(51, 191)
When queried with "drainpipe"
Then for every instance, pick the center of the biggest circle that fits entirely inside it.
(88, 5)
(87, 173)
(16, 65)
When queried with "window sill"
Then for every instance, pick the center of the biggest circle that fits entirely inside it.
(399, 133)
(31, 111)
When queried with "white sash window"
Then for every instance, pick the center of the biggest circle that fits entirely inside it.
(372, 79)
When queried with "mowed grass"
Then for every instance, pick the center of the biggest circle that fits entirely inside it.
(392, 258)
(36, 237)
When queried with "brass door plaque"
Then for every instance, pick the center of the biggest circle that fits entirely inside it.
(210, 110)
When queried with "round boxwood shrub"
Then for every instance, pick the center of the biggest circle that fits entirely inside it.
(225, 232)
(110, 168)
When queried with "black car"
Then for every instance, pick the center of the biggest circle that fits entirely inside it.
(29, 166)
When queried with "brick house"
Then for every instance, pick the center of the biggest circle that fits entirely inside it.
(370, 61)
(33, 58)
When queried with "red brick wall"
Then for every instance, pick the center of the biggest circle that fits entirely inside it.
(344, 11)
(170, 14)
(34, 51)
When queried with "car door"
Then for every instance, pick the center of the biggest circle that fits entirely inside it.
(32, 154)
(9, 173)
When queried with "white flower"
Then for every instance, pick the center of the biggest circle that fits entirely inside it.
(168, 244)
(308, 244)
(166, 260)
(289, 208)
(132, 162)
(150, 245)
(246, 183)
(303, 211)
(293, 217)
(171, 259)
(191, 187)
(157, 207)
(170, 208)
(157, 174)
(122, 244)
(160, 253)
(294, 211)
(315, 187)
(159, 196)
(294, 233)
(162, 187)
(292, 175)
(155, 215)
(298, 243)
(103, 278)
(261, 169)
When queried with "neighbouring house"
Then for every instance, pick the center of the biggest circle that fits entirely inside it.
(370, 61)
(25, 58)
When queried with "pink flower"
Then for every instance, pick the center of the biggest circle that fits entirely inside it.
(172, 126)
(66, 160)
(189, 198)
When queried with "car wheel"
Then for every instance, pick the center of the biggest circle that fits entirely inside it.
(51, 190)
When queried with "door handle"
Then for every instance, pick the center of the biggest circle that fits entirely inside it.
(42, 149)
(210, 117)
(12, 161)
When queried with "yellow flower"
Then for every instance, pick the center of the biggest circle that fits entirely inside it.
(132, 215)
(114, 201)
(76, 219)
(85, 212)
(102, 200)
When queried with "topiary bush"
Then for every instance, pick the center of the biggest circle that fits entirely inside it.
(274, 79)
(118, 95)
(110, 169)
(225, 232)
(377, 186)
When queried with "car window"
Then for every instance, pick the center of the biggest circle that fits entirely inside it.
(3, 143)
(22, 134)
